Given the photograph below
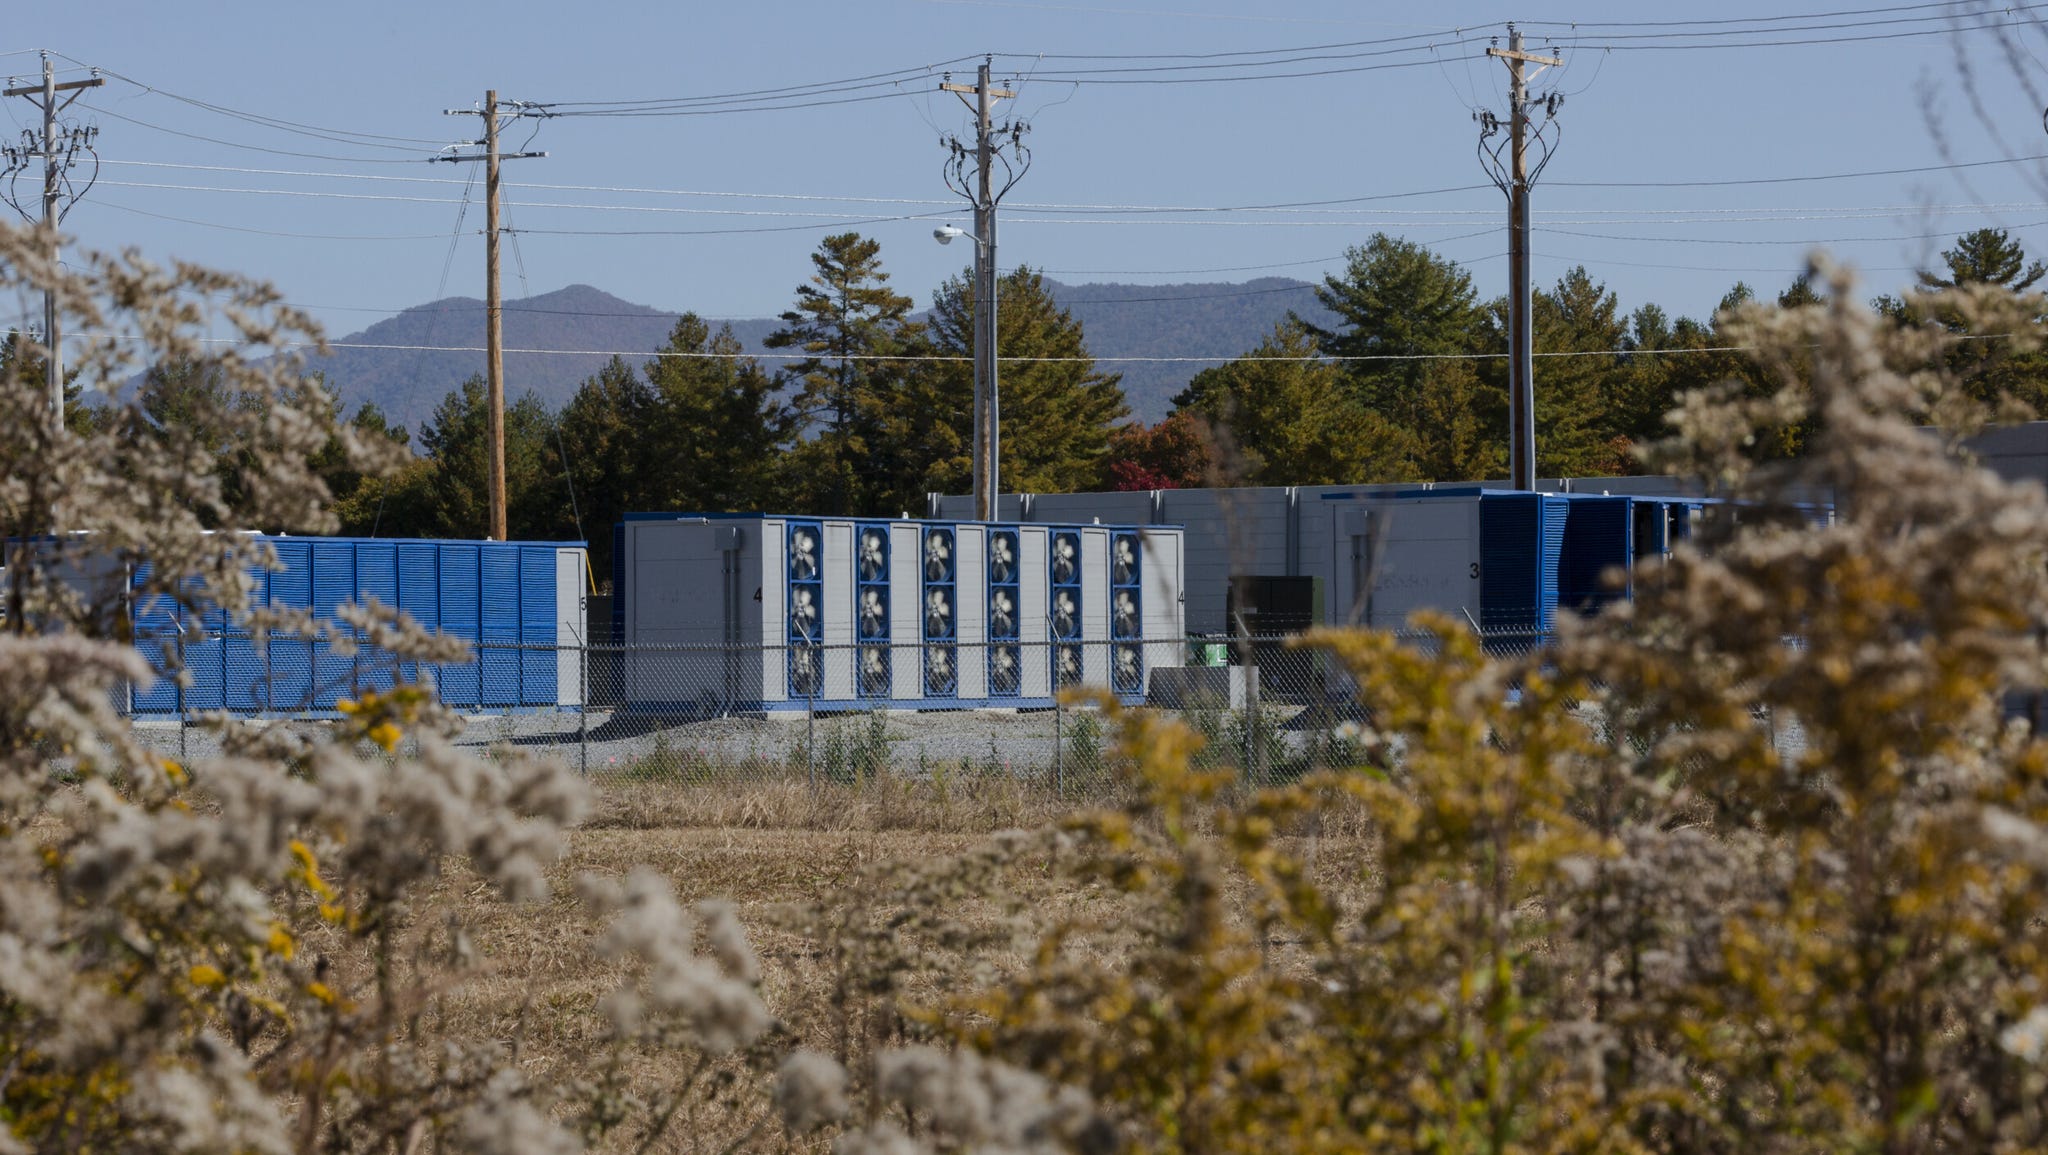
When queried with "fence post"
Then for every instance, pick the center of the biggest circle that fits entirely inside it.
(582, 705)
(811, 724)
(1059, 744)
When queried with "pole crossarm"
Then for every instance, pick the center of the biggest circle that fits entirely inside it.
(969, 171)
(494, 113)
(1507, 162)
(58, 196)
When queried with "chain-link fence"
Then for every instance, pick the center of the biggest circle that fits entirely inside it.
(647, 716)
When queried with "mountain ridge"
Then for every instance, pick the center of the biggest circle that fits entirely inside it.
(406, 363)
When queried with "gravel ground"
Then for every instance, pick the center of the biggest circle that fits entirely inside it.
(603, 744)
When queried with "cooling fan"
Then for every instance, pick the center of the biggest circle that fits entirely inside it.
(803, 671)
(938, 556)
(1066, 666)
(1066, 559)
(874, 614)
(1123, 615)
(874, 671)
(874, 554)
(1005, 671)
(938, 614)
(803, 554)
(940, 674)
(1066, 614)
(1002, 614)
(1123, 565)
(1002, 558)
(1129, 675)
(803, 614)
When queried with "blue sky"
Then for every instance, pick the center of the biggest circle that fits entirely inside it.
(375, 225)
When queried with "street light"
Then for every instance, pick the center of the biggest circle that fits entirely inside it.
(944, 234)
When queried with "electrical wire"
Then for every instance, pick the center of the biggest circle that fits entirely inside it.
(119, 207)
(104, 111)
(962, 358)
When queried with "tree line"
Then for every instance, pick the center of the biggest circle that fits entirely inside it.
(867, 408)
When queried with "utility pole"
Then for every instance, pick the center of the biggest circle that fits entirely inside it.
(987, 403)
(1521, 328)
(494, 304)
(57, 160)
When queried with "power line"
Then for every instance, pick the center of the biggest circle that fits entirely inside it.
(667, 354)
(251, 147)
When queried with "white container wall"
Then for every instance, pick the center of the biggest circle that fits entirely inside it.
(836, 614)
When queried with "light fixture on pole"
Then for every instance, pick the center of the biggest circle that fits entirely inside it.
(990, 148)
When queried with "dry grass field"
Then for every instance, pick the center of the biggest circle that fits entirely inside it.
(810, 872)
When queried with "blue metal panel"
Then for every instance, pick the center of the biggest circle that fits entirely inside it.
(419, 592)
(155, 619)
(291, 659)
(1511, 549)
(334, 583)
(460, 683)
(498, 652)
(1598, 536)
(538, 667)
(376, 577)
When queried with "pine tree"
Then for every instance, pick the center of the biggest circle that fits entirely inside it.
(456, 438)
(848, 321)
(1397, 299)
(717, 428)
(1288, 417)
(1057, 409)
(1986, 257)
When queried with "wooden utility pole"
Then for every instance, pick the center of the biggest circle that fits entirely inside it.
(1521, 327)
(494, 317)
(54, 163)
(988, 439)
(494, 305)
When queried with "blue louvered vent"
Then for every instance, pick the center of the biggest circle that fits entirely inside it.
(1597, 537)
(156, 635)
(291, 659)
(461, 683)
(1521, 537)
(538, 670)
(419, 592)
(245, 679)
(376, 577)
(498, 644)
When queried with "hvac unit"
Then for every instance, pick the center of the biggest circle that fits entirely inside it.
(762, 613)
(519, 604)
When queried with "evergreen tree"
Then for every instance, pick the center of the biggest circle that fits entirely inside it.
(717, 428)
(1578, 398)
(457, 439)
(80, 417)
(1290, 420)
(1057, 409)
(845, 318)
(1986, 257)
(607, 433)
(1397, 299)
